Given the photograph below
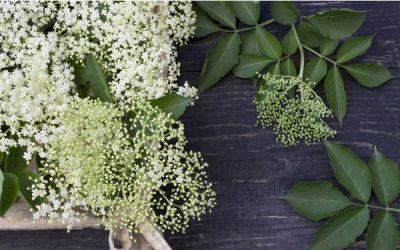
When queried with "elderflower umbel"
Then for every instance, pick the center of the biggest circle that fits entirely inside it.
(293, 118)
(126, 174)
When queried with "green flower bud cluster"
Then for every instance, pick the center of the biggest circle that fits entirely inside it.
(127, 167)
(292, 108)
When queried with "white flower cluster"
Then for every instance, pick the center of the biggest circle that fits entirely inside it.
(126, 180)
(135, 42)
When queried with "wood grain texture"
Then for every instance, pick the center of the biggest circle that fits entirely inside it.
(250, 171)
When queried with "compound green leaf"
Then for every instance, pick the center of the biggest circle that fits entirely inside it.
(248, 12)
(342, 229)
(249, 65)
(337, 24)
(289, 43)
(220, 60)
(385, 175)
(172, 104)
(204, 24)
(268, 43)
(315, 70)
(97, 79)
(328, 46)
(284, 12)
(220, 11)
(353, 47)
(351, 172)
(15, 161)
(335, 93)
(369, 75)
(275, 69)
(382, 232)
(9, 192)
(249, 44)
(288, 68)
(308, 35)
(316, 199)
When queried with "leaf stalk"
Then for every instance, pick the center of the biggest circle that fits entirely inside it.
(301, 51)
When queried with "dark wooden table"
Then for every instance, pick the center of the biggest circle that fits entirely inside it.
(250, 171)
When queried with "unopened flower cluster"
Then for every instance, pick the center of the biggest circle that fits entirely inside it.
(126, 180)
(294, 118)
(123, 161)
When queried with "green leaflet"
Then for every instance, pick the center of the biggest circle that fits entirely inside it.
(284, 12)
(335, 93)
(248, 12)
(315, 70)
(342, 229)
(308, 35)
(351, 172)
(328, 46)
(268, 43)
(249, 65)
(275, 69)
(337, 24)
(14, 160)
(9, 192)
(289, 44)
(352, 48)
(249, 44)
(288, 68)
(97, 79)
(368, 74)
(316, 199)
(172, 103)
(204, 25)
(382, 232)
(220, 60)
(219, 11)
(385, 177)
(26, 180)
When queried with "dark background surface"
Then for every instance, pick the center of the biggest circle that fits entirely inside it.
(249, 170)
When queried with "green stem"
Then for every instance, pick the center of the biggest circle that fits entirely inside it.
(396, 210)
(324, 57)
(250, 28)
(301, 51)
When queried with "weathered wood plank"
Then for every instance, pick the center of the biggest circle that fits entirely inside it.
(249, 170)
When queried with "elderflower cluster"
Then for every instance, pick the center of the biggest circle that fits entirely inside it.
(125, 166)
(295, 118)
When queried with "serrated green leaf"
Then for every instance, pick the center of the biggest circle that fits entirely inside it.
(204, 24)
(268, 43)
(284, 12)
(275, 69)
(316, 199)
(26, 180)
(249, 44)
(335, 93)
(369, 75)
(220, 60)
(288, 68)
(337, 24)
(289, 43)
(308, 36)
(248, 12)
(97, 79)
(382, 232)
(14, 160)
(351, 172)
(328, 46)
(172, 104)
(342, 229)
(385, 175)
(220, 11)
(9, 192)
(249, 65)
(352, 48)
(315, 70)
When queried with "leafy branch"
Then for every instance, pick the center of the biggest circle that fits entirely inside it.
(259, 51)
(348, 219)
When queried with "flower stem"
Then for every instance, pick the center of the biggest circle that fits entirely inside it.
(396, 210)
(252, 27)
(301, 51)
